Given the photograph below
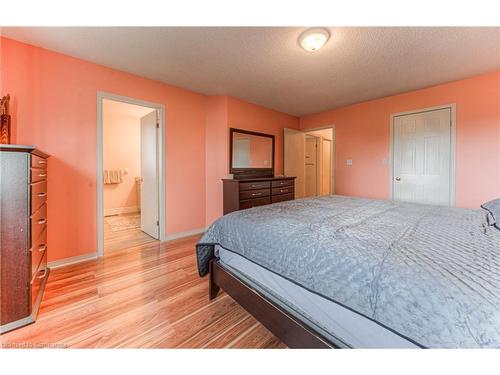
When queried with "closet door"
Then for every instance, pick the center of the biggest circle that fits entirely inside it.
(311, 165)
(294, 148)
(422, 155)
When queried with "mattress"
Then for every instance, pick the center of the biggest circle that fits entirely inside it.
(341, 326)
(430, 274)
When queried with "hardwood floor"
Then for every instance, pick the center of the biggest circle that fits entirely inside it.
(123, 238)
(146, 296)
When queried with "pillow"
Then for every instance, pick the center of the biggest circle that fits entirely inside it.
(493, 208)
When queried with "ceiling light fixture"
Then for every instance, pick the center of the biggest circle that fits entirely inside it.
(313, 39)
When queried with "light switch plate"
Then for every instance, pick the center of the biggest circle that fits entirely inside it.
(348, 162)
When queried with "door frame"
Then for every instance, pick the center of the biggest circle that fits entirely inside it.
(333, 151)
(101, 95)
(453, 141)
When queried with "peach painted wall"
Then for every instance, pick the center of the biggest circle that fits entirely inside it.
(122, 150)
(362, 134)
(54, 108)
(225, 112)
(217, 155)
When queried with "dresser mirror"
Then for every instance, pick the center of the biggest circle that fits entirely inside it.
(251, 154)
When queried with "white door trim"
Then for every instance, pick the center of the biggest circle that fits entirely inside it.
(334, 150)
(161, 163)
(453, 141)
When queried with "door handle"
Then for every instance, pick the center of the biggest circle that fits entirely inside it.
(398, 178)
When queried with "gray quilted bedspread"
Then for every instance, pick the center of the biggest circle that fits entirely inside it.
(430, 274)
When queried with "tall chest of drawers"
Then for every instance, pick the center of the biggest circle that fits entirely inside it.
(23, 236)
(247, 193)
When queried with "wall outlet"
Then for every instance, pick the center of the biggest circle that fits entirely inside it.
(348, 162)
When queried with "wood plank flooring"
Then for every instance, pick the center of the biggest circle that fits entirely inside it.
(125, 238)
(146, 296)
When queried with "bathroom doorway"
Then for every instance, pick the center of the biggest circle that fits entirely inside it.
(129, 177)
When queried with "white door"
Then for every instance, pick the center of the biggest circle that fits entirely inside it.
(149, 174)
(422, 157)
(311, 163)
(294, 156)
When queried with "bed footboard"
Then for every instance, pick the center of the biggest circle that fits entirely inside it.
(293, 332)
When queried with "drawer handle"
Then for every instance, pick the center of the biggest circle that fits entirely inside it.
(257, 185)
(283, 190)
(44, 274)
(42, 194)
(42, 162)
(42, 248)
(282, 183)
(42, 221)
(256, 194)
(42, 175)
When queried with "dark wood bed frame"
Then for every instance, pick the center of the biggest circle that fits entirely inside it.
(292, 331)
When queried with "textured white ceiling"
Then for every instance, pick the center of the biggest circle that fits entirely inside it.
(267, 67)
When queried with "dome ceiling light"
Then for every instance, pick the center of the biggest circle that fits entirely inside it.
(313, 39)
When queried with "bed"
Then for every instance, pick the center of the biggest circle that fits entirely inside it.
(346, 272)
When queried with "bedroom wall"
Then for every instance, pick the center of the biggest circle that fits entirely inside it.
(362, 134)
(54, 108)
(217, 159)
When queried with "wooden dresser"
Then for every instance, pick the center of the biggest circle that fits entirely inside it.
(246, 193)
(23, 236)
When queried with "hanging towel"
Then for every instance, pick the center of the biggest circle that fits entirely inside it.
(112, 177)
(105, 177)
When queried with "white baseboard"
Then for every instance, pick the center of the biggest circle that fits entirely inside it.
(73, 260)
(120, 210)
(188, 233)
(91, 256)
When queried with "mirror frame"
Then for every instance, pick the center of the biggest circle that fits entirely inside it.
(241, 173)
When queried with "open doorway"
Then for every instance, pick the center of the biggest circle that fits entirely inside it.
(129, 184)
(310, 157)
